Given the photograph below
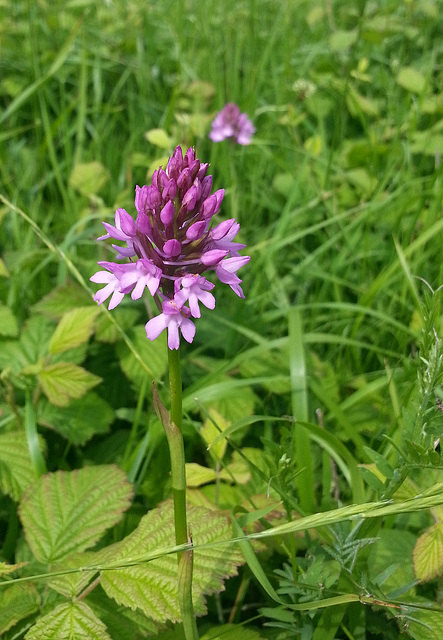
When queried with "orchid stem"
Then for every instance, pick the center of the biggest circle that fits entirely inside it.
(178, 475)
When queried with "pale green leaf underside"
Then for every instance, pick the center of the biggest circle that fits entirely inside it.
(16, 603)
(64, 381)
(74, 329)
(16, 469)
(428, 553)
(152, 586)
(67, 512)
(69, 621)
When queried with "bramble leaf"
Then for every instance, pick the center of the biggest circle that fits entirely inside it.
(17, 472)
(62, 299)
(231, 632)
(69, 621)
(74, 329)
(427, 556)
(79, 421)
(152, 586)
(17, 602)
(67, 512)
(64, 380)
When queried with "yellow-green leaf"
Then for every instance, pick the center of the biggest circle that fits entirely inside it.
(63, 381)
(411, 80)
(428, 553)
(159, 138)
(68, 511)
(88, 178)
(74, 329)
(212, 427)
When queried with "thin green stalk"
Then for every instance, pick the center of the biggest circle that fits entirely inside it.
(178, 474)
(176, 448)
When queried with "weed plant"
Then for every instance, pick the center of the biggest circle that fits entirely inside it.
(312, 409)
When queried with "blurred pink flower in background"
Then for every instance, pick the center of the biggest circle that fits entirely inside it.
(230, 123)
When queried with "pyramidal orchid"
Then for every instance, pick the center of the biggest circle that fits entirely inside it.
(230, 123)
(171, 246)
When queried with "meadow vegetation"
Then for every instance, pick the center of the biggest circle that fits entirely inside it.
(312, 410)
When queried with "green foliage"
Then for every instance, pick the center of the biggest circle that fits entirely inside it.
(67, 512)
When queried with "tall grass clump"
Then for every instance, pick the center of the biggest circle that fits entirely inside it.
(278, 476)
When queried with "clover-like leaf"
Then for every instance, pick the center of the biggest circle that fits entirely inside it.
(152, 586)
(69, 621)
(67, 512)
(64, 380)
(427, 556)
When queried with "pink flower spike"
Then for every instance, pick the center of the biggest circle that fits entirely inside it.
(172, 319)
(230, 123)
(195, 288)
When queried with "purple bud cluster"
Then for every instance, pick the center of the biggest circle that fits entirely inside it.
(169, 247)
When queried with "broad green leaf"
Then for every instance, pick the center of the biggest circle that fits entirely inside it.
(67, 512)
(342, 40)
(428, 553)
(74, 329)
(212, 427)
(411, 80)
(8, 322)
(62, 299)
(152, 586)
(17, 602)
(196, 474)
(159, 138)
(80, 420)
(235, 472)
(154, 354)
(63, 381)
(426, 625)
(17, 472)
(88, 178)
(231, 632)
(69, 621)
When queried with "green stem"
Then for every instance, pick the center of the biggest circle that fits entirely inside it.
(178, 476)
(176, 449)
